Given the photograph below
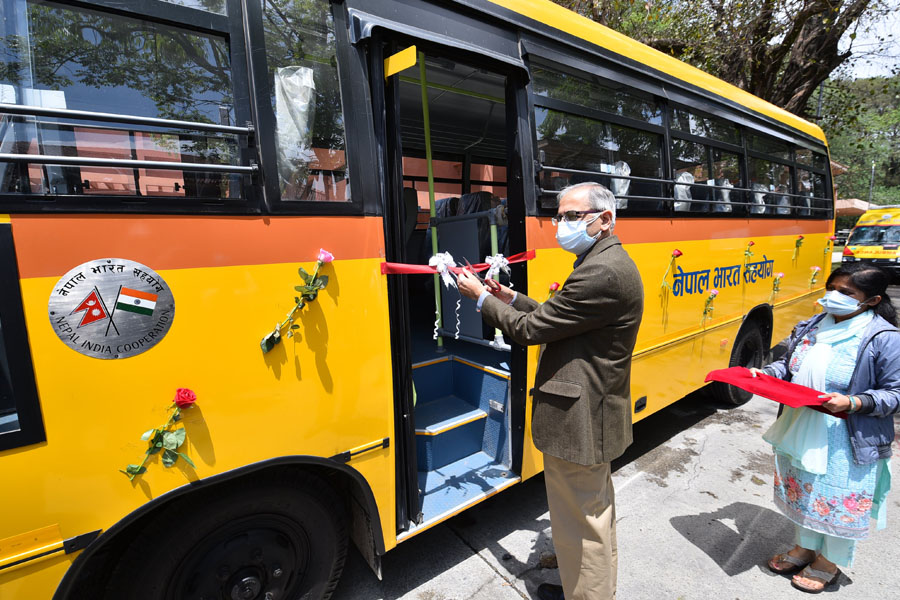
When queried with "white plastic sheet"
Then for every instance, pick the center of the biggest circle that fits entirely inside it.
(295, 111)
(683, 192)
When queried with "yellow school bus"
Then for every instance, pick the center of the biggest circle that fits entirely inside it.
(211, 380)
(875, 239)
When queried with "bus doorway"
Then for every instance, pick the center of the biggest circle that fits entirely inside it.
(450, 159)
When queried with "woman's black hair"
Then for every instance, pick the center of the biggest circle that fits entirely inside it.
(873, 281)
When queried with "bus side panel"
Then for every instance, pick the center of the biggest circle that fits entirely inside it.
(677, 344)
(325, 391)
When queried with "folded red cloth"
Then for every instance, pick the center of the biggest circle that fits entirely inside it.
(785, 392)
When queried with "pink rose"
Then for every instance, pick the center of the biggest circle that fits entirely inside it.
(833, 238)
(751, 243)
(676, 253)
(184, 398)
(779, 275)
(713, 293)
(325, 256)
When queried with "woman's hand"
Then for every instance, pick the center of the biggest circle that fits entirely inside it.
(836, 403)
(754, 372)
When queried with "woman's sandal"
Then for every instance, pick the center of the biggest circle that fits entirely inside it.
(810, 573)
(796, 564)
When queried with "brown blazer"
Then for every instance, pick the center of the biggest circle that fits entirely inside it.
(582, 396)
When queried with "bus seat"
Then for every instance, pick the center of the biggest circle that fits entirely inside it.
(723, 197)
(759, 198)
(619, 187)
(683, 192)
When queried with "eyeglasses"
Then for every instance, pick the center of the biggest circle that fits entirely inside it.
(571, 215)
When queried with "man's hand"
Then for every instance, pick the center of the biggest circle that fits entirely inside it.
(501, 292)
(469, 285)
(836, 403)
(754, 372)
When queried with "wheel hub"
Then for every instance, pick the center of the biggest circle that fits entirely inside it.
(246, 589)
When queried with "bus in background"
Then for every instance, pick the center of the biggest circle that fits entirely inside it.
(875, 239)
(223, 356)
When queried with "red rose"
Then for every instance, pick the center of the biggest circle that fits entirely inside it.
(554, 286)
(799, 237)
(676, 253)
(184, 398)
(751, 243)
(833, 238)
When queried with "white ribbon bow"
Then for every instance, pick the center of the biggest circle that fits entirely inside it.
(496, 264)
(442, 261)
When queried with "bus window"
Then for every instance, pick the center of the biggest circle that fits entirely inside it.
(213, 6)
(693, 159)
(20, 415)
(306, 97)
(704, 126)
(775, 178)
(78, 59)
(573, 143)
(726, 169)
(771, 146)
(607, 97)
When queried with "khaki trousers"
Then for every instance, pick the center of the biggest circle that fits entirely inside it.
(583, 521)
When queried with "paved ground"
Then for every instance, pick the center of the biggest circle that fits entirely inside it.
(695, 521)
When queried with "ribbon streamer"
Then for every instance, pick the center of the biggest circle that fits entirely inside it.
(458, 303)
(390, 268)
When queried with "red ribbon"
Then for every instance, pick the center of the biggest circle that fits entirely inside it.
(784, 392)
(389, 268)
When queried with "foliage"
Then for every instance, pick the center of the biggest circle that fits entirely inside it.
(862, 122)
(779, 50)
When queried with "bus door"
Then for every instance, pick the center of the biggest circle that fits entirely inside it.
(450, 149)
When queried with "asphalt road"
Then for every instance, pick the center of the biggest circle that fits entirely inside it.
(695, 520)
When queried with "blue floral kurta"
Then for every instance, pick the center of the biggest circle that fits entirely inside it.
(839, 502)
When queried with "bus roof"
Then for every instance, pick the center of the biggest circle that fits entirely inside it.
(563, 19)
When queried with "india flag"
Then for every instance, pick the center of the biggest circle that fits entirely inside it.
(136, 301)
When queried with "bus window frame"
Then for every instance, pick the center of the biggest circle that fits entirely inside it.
(18, 353)
(541, 54)
(229, 29)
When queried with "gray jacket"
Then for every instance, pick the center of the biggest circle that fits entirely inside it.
(875, 381)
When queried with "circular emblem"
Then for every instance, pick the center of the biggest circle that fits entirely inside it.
(111, 308)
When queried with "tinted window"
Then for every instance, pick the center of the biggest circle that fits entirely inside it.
(705, 126)
(303, 79)
(591, 93)
(770, 146)
(86, 60)
(574, 142)
(213, 6)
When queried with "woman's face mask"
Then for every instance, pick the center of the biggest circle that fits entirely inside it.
(573, 236)
(839, 304)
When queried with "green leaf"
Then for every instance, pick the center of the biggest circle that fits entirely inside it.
(154, 449)
(180, 434)
(169, 441)
(186, 459)
(134, 469)
(270, 341)
(322, 281)
(300, 288)
(304, 275)
(169, 457)
(296, 300)
(148, 434)
(295, 326)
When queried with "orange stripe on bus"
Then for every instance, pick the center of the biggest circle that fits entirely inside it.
(50, 245)
(542, 234)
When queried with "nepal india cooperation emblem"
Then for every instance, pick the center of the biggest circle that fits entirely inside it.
(111, 308)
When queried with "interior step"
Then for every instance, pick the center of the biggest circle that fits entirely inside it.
(447, 429)
(459, 484)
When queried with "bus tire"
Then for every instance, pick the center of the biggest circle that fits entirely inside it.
(748, 352)
(261, 536)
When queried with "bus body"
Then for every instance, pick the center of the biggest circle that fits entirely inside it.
(168, 182)
(875, 239)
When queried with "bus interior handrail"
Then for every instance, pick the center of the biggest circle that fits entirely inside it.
(79, 161)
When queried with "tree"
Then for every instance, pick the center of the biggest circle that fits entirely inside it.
(862, 122)
(779, 50)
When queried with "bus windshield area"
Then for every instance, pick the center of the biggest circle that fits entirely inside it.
(875, 235)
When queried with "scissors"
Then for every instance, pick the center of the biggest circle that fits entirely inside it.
(492, 285)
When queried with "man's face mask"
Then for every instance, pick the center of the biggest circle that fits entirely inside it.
(573, 236)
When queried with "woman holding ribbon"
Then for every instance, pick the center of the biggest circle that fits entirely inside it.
(832, 474)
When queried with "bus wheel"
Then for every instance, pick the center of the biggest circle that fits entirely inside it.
(748, 352)
(261, 541)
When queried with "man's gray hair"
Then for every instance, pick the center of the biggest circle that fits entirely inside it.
(599, 197)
